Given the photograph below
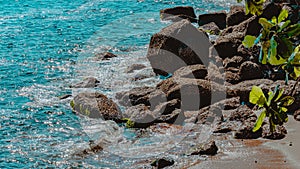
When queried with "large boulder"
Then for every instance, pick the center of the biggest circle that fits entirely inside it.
(211, 28)
(250, 70)
(247, 27)
(173, 48)
(184, 12)
(193, 93)
(218, 18)
(96, 105)
(236, 15)
(270, 10)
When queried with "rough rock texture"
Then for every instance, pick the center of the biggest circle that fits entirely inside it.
(193, 93)
(140, 116)
(181, 11)
(245, 131)
(211, 28)
(104, 56)
(148, 96)
(96, 105)
(162, 162)
(193, 71)
(250, 70)
(218, 18)
(134, 67)
(177, 18)
(236, 15)
(227, 45)
(247, 27)
(279, 132)
(235, 62)
(89, 82)
(173, 48)
(209, 148)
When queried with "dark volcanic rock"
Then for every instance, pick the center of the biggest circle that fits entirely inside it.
(134, 67)
(89, 82)
(235, 62)
(173, 48)
(236, 15)
(218, 18)
(148, 96)
(209, 148)
(250, 70)
(245, 131)
(104, 56)
(242, 114)
(96, 105)
(211, 28)
(270, 10)
(162, 162)
(193, 93)
(227, 45)
(171, 118)
(167, 107)
(181, 11)
(247, 27)
(177, 18)
(232, 78)
(192, 71)
(279, 132)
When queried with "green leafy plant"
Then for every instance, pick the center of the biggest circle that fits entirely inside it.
(275, 39)
(255, 7)
(292, 65)
(274, 107)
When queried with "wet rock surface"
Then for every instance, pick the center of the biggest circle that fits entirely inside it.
(209, 148)
(162, 162)
(180, 11)
(89, 82)
(104, 56)
(96, 105)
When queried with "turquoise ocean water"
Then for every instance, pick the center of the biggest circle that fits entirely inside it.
(44, 48)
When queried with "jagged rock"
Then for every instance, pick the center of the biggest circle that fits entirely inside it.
(279, 132)
(245, 131)
(242, 114)
(209, 148)
(177, 18)
(225, 127)
(247, 27)
(250, 70)
(167, 107)
(89, 82)
(96, 105)
(193, 71)
(218, 18)
(171, 118)
(228, 44)
(235, 62)
(211, 28)
(104, 56)
(162, 162)
(173, 48)
(232, 78)
(194, 93)
(134, 67)
(148, 96)
(236, 15)
(184, 12)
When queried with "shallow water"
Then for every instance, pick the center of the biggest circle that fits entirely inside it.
(45, 46)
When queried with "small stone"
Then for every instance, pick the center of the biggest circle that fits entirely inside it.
(209, 148)
(162, 162)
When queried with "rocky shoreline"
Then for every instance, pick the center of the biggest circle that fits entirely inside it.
(207, 82)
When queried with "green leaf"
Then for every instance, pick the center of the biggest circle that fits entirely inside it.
(265, 23)
(274, 20)
(284, 25)
(287, 101)
(296, 72)
(280, 93)
(248, 41)
(259, 121)
(283, 15)
(293, 30)
(257, 96)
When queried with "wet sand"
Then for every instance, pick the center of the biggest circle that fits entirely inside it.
(259, 153)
